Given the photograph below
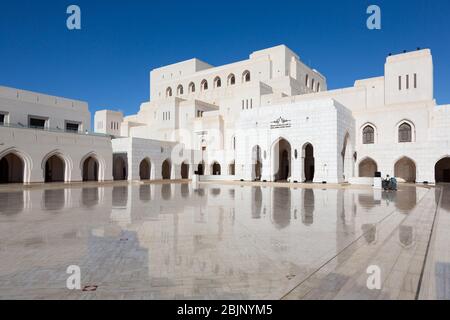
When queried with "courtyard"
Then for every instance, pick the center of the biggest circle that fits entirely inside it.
(181, 240)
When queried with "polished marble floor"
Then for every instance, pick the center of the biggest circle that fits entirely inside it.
(185, 241)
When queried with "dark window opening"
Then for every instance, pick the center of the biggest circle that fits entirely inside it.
(37, 123)
(405, 133)
(2, 119)
(72, 127)
(368, 135)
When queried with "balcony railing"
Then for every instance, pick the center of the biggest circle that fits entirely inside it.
(56, 130)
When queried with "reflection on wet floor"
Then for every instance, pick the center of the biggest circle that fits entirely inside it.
(437, 271)
(182, 241)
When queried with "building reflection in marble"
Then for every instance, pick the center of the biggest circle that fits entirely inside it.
(308, 207)
(89, 197)
(54, 199)
(178, 241)
(145, 194)
(11, 203)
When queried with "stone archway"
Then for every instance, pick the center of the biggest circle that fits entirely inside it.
(12, 169)
(232, 169)
(347, 158)
(90, 169)
(119, 167)
(256, 163)
(166, 170)
(367, 168)
(144, 169)
(54, 169)
(405, 169)
(442, 170)
(201, 168)
(216, 170)
(184, 170)
(308, 162)
(281, 160)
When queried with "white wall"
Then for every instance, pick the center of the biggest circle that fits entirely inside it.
(35, 146)
(20, 104)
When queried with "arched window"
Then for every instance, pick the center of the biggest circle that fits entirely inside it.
(312, 84)
(405, 132)
(306, 80)
(204, 85)
(246, 76)
(217, 82)
(231, 80)
(180, 90)
(318, 86)
(191, 87)
(368, 135)
(169, 92)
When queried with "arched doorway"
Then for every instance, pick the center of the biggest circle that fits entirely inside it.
(166, 170)
(184, 170)
(201, 168)
(405, 169)
(367, 168)
(54, 169)
(256, 163)
(347, 159)
(4, 171)
(215, 169)
(90, 169)
(442, 170)
(308, 162)
(281, 160)
(144, 169)
(232, 169)
(11, 169)
(119, 168)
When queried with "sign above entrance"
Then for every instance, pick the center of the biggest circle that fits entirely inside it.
(280, 123)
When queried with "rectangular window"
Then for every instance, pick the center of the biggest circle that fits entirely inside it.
(400, 83)
(72, 126)
(407, 81)
(242, 104)
(251, 103)
(2, 119)
(415, 80)
(37, 123)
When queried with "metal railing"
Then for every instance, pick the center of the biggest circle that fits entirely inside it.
(55, 130)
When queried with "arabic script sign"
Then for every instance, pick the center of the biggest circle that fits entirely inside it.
(280, 123)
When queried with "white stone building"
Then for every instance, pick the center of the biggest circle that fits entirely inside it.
(268, 118)
(47, 139)
(272, 118)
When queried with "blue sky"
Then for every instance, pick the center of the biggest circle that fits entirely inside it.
(108, 62)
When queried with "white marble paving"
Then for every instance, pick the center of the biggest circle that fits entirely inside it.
(180, 241)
